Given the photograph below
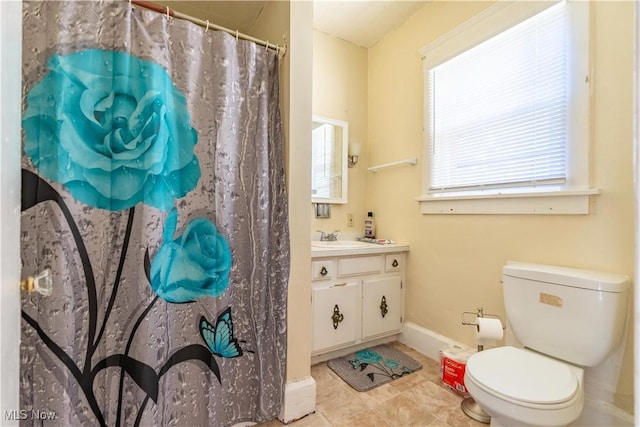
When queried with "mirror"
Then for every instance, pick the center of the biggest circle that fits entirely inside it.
(330, 140)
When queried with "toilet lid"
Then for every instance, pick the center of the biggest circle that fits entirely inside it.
(523, 375)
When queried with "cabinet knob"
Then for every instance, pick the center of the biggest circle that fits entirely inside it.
(395, 263)
(383, 306)
(324, 271)
(337, 316)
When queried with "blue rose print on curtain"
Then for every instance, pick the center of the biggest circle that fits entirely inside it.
(113, 129)
(115, 132)
(194, 265)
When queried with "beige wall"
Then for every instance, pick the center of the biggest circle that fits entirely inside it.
(455, 261)
(340, 92)
(293, 21)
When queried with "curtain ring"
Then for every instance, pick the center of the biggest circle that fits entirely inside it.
(168, 16)
(207, 29)
(266, 46)
(236, 35)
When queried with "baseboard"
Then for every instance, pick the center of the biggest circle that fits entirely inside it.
(430, 343)
(299, 400)
(425, 341)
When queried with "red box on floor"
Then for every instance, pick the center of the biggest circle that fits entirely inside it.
(453, 374)
(453, 360)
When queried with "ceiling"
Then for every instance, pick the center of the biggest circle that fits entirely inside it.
(233, 14)
(363, 23)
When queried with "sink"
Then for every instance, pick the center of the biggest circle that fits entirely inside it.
(340, 244)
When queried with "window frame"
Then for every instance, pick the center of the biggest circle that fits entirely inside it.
(571, 198)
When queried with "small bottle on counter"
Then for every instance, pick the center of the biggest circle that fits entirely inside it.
(369, 227)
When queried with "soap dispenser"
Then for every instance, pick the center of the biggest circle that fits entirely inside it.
(369, 227)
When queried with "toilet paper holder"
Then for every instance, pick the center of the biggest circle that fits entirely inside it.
(468, 404)
(480, 313)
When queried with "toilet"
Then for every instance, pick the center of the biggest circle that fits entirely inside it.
(566, 319)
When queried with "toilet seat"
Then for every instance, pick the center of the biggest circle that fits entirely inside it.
(523, 377)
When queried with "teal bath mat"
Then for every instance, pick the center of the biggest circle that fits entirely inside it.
(370, 368)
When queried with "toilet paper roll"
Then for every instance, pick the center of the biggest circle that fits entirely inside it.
(488, 330)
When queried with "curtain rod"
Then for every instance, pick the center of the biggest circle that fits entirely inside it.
(280, 50)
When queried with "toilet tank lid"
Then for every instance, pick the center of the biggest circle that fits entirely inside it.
(579, 278)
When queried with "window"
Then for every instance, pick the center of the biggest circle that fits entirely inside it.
(507, 112)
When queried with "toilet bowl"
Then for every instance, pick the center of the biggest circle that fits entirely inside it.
(518, 387)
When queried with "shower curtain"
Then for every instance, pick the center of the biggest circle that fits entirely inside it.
(153, 191)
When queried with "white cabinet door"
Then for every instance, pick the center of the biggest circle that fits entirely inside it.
(381, 306)
(336, 315)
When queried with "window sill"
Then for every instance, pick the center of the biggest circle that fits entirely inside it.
(572, 202)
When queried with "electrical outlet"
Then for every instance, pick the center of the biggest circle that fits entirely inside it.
(349, 220)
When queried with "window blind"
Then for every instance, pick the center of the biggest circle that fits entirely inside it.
(498, 111)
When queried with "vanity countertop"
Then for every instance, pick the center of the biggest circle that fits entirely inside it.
(360, 249)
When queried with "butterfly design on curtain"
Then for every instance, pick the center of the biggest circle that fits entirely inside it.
(219, 337)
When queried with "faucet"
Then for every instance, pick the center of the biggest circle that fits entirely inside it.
(328, 237)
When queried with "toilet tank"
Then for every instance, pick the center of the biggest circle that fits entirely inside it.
(574, 315)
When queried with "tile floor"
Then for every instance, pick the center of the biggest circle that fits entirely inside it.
(419, 399)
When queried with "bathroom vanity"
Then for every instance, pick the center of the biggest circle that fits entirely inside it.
(357, 293)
